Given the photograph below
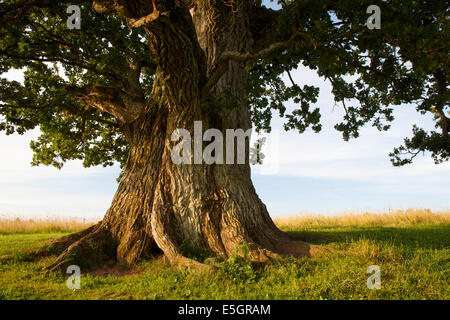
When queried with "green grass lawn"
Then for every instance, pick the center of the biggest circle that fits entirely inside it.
(414, 262)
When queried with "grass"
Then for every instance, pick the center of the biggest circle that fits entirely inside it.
(14, 226)
(412, 249)
(403, 218)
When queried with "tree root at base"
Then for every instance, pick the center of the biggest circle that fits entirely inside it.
(95, 246)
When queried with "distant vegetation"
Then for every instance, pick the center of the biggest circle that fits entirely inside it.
(396, 218)
(409, 217)
(412, 249)
(41, 226)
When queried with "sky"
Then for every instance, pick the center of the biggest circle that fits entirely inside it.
(307, 173)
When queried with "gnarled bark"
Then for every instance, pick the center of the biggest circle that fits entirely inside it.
(160, 206)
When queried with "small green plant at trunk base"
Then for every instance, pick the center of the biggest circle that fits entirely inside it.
(239, 269)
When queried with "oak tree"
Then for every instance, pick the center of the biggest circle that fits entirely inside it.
(115, 90)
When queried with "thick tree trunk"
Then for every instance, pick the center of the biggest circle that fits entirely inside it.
(161, 206)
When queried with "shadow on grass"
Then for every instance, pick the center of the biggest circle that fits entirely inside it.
(427, 237)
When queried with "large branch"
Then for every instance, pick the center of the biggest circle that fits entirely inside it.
(227, 56)
(124, 107)
(123, 11)
(68, 109)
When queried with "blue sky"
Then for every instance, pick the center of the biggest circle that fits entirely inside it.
(316, 173)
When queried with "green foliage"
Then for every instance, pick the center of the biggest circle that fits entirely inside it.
(55, 60)
(420, 142)
(371, 71)
(406, 61)
(239, 269)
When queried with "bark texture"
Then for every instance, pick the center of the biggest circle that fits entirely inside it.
(161, 207)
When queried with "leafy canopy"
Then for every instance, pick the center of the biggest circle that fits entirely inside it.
(371, 71)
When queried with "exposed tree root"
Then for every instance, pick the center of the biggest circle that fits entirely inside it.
(96, 245)
(301, 249)
(91, 250)
(56, 246)
(192, 264)
(281, 248)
